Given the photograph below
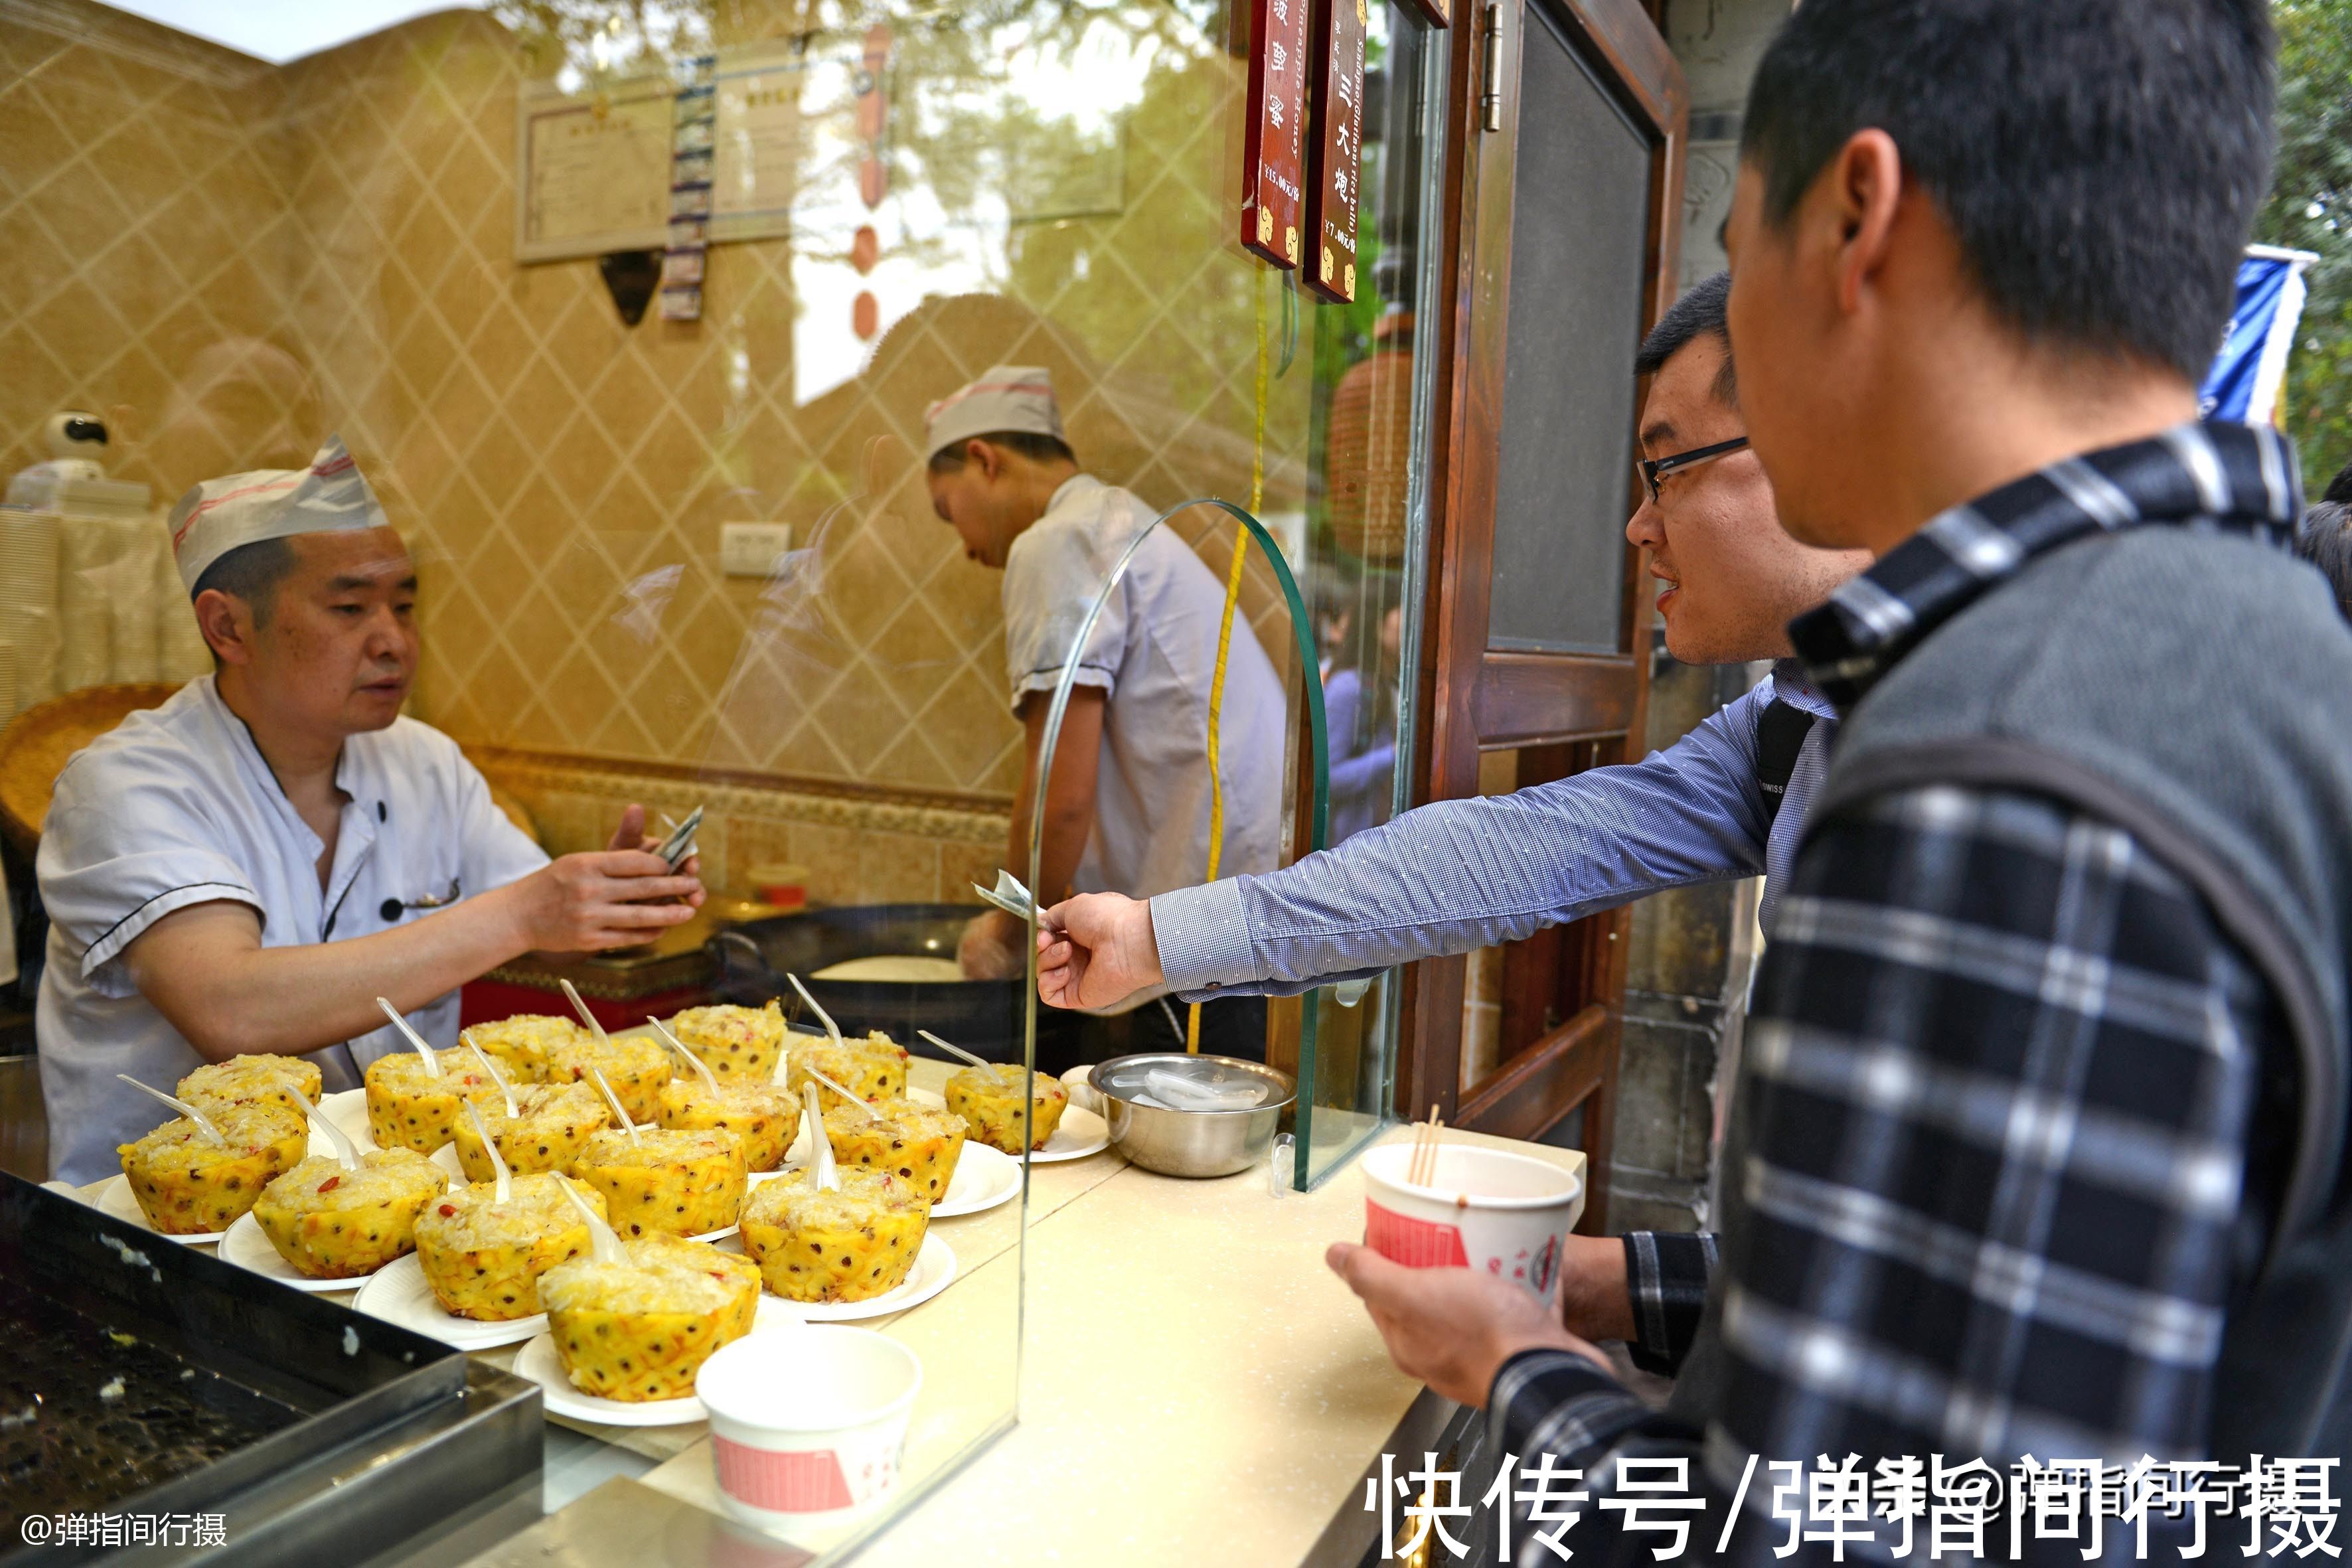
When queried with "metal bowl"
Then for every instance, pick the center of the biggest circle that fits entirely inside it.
(1186, 1142)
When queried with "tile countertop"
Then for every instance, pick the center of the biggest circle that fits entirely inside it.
(1199, 1387)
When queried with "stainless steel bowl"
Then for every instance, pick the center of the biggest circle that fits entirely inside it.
(1186, 1142)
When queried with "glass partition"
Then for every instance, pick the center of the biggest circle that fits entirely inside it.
(633, 319)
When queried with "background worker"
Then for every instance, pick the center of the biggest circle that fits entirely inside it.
(1128, 809)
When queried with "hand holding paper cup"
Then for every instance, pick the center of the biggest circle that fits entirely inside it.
(1503, 1213)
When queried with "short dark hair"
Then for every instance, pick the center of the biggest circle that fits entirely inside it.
(2340, 488)
(253, 572)
(2100, 161)
(1028, 443)
(2326, 542)
(1703, 311)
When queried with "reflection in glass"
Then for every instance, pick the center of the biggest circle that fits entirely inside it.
(228, 260)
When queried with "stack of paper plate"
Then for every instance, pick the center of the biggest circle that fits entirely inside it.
(28, 602)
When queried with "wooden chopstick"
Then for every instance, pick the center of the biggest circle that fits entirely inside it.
(1422, 1169)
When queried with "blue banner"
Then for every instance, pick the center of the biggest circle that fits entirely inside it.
(2243, 383)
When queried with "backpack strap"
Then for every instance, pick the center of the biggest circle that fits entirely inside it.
(1781, 732)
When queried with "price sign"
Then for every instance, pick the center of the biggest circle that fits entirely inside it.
(1274, 144)
(1335, 143)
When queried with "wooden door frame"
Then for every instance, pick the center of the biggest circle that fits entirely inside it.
(1467, 692)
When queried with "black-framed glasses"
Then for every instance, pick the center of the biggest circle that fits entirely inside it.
(1656, 469)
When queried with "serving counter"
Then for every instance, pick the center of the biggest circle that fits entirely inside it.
(1197, 1387)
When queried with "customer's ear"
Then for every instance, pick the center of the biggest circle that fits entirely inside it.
(1862, 195)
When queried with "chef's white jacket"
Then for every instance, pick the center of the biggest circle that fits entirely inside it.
(176, 808)
(1154, 653)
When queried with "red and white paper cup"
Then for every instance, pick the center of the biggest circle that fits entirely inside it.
(808, 1422)
(1503, 1213)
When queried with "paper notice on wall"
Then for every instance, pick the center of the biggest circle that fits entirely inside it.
(763, 137)
(595, 169)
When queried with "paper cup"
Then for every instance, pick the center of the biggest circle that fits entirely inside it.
(808, 1422)
(1487, 1208)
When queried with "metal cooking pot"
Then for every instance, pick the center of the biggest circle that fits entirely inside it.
(1186, 1142)
(749, 962)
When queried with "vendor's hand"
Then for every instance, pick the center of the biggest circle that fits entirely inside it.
(1595, 1302)
(631, 835)
(990, 946)
(1095, 950)
(611, 897)
(1451, 1328)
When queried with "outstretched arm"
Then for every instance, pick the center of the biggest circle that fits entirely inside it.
(205, 968)
(1446, 878)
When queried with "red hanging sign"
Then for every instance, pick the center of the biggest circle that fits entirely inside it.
(1273, 146)
(1335, 143)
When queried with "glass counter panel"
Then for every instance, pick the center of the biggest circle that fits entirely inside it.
(632, 320)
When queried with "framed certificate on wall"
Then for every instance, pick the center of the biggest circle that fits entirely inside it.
(592, 168)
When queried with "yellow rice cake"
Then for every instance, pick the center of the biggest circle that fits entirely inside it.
(764, 1115)
(920, 1144)
(875, 1067)
(637, 1066)
(665, 1180)
(849, 1246)
(407, 1108)
(552, 1124)
(483, 1257)
(188, 1185)
(521, 1045)
(290, 1081)
(641, 1331)
(990, 1099)
(333, 1224)
(740, 1045)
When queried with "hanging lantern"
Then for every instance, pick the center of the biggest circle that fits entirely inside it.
(1366, 463)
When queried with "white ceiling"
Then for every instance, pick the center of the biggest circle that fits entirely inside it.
(282, 30)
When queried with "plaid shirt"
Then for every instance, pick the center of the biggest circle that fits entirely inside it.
(1993, 1124)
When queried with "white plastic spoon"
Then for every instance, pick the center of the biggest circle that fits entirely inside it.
(614, 1100)
(347, 1153)
(830, 1029)
(203, 1122)
(586, 1018)
(709, 1079)
(498, 1171)
(956, 1052)
(432, 1058)
(604, 1245)
(465, 1037)
(871, 1114)
(822, 1174)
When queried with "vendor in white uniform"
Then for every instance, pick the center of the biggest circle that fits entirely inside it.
(1128, 809)
(248, 868)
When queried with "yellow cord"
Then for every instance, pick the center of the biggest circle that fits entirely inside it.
(1226, 643)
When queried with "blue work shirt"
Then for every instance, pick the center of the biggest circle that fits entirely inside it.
(1458, 875)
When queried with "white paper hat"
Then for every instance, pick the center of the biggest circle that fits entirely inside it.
(1005, 397)
(220, 514)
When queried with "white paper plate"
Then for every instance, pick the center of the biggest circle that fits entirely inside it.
(398, 1293)
(115, 1198)
(984, 1178)
(348, 1110)
(538, 1362)
(248, 1248)
(1078, 1134)
(934, 1270)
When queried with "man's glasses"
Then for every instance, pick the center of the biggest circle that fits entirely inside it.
(1656, 469)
